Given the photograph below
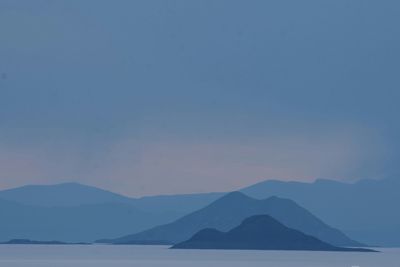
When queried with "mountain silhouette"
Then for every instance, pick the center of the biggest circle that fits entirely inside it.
(72, 212)
(259, 232)
(61, 195)
(363, 210)
(84, 223)
(165, 207)
(229, 211)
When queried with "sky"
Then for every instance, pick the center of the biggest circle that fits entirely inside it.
(162, 97)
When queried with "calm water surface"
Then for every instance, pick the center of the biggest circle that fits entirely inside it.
(143, 256)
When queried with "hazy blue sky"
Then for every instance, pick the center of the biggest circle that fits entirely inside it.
(156, 96)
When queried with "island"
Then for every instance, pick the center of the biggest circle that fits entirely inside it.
(35, 242)
(259, 232)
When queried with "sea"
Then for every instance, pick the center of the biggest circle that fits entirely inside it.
(145, 256)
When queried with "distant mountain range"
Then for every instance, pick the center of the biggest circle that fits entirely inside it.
(74, 212)
(365, 210)
(229, 211)
(75, 194)
(61, 195)
(259, 232)
(83, 223)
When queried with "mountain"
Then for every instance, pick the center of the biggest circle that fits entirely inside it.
(73, 212)
(365, 210)
(259, 232)
(61, 195)
(228, 211)
(83, 223)
(165, 207)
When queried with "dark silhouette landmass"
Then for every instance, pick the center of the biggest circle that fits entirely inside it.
(35, 242)
(229, 211)
(260, 232)
(362, 210)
